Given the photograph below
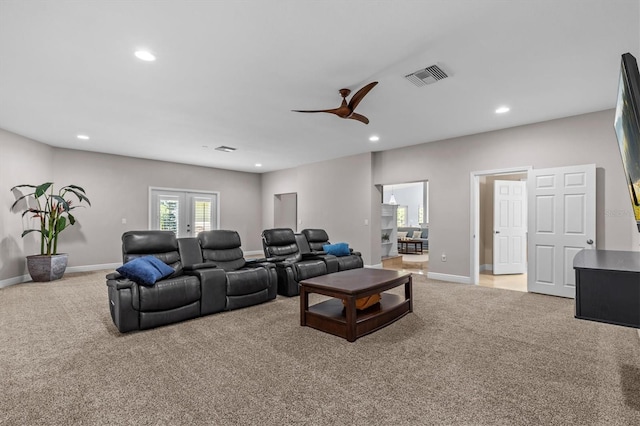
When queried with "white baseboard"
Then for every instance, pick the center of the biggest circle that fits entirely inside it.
(254, 253)
(376, 266)
(85, 268)
(486, 267)
(448, 277)
(15, 280)
(89, 268)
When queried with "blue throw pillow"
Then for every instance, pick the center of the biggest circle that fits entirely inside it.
(145, 270)
(338, 249)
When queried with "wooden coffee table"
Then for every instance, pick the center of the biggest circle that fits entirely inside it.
(403, 246)
(331, 316)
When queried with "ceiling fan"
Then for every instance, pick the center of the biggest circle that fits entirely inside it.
(346, 110)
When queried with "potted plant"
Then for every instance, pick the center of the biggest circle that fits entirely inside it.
(53, 209)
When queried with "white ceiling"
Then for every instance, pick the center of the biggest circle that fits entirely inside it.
(230, 72)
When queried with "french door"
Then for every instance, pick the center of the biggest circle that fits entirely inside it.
(184, 212)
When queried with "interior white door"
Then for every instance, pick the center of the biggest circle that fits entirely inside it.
(509, 227)
(562, 222)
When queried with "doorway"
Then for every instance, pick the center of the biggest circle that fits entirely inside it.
(486, 235)
(285, 211)
(405, 224)
(561, 222)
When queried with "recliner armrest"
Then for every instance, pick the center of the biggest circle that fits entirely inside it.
(120, 282)
(114, 276)
(195, 267)
(313, 255)
(252, 262)
(213, 287)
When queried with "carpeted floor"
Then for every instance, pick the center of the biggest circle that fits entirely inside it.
(466, 355)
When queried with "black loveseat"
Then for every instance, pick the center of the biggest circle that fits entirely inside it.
(209, 275)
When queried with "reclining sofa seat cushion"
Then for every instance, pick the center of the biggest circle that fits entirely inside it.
(280, 247)
(245, 284)
(318, 238)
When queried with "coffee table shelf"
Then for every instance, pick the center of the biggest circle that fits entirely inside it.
(332, 316)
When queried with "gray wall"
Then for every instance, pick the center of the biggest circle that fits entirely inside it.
(118, 188)
(335, 195)
(447, 165)
(23, 162)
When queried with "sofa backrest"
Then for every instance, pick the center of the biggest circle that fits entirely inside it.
(424, 232)
(222, 248)
(280, 242)
(316, 238)
(161, 244)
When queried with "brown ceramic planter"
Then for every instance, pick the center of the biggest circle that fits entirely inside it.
(44, 267)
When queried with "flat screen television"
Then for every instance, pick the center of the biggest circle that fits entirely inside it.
(627, 127)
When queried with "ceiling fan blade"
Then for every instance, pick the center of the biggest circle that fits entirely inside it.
(332, 111)
(359, 117)
(355, 100)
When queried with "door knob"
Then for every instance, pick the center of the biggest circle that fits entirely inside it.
(497, 232)
(589, 241)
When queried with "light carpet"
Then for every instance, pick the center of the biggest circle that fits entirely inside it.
(466, 356)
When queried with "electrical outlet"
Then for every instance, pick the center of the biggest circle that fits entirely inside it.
(444, 257)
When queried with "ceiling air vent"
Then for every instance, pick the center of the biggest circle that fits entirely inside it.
(225, 149)
(428, 75)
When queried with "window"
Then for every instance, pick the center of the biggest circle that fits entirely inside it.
(402, 215)
(184, 212)
(169, 210)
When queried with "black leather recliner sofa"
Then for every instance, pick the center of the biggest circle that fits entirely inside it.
(317, 238)
(292, 266)
(296, 258)
(196, 287)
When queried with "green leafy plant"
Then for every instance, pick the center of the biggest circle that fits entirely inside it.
(385, 237)
(53, 210)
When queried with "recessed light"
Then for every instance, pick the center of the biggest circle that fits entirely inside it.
(502, 110)
(374, 138)
(145, 55)
(83, 137)
(258, 165)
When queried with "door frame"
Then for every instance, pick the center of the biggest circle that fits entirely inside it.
(200, 191)
(474, 236)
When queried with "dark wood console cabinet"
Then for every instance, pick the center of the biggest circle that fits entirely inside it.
(608, 286)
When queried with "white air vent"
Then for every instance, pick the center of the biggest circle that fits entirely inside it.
(225, 148)
(428, 75)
